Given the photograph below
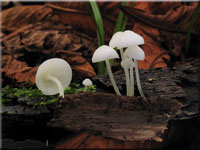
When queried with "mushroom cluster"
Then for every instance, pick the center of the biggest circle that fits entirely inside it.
(128, 41)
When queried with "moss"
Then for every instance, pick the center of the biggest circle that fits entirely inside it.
(11, 95)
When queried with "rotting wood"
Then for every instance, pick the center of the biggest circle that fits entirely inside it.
(161, 120)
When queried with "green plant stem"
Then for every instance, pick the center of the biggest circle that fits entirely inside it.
(188, 34)
(100, 31)
(126, 19)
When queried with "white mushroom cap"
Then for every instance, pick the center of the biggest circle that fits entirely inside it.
(125, 39)
(104, 52)
(115, 39)
(134, 52)
(129, 38)
(59, 69)
(87, 82)
(127, 63)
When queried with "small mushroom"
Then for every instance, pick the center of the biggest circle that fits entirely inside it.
(87, 82)
(53, 76)
(129, 64)
(136, 53)
(104, 53)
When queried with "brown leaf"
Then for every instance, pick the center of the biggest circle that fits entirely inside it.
(19, 16)
(175, 19)
(78, 63)
(18, 70)
(78, 15)
(163, 29)
(39, 43)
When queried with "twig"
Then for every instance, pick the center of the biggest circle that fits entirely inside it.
(15, 33)
(157, 57)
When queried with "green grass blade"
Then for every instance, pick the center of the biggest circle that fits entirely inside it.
(98, 21)
(100, 31)
(126, 19)
(118, 25)
(188, 34)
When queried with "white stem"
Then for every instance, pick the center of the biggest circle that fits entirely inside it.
(85, 88)
(138, 79)
(59, 85)
(126, 74)
(132, 82)
(112, 78)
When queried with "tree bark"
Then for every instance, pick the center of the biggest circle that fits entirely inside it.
(167, 118)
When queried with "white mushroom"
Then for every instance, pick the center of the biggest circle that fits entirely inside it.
(129, 38)
(136, 53)
(115, 38)
(122, 40)
(87, 82)
(104, 53)
(53, 76)
(129, 64)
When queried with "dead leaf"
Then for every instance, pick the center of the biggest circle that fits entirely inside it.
(18, 70)
(22, 53)
(163, 29)
(19, 16)
(175, 19)
(85, 141)
(79, 64)
(78, 15)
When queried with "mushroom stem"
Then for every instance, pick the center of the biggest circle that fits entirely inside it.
(85, 88)
(138, 79)
(132, 82)
(112, 78)
(126, 75)
(58, 83)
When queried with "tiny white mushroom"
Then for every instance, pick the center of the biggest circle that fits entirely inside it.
(53, 76)
(136, 53)
(104, 53)
(87, 82)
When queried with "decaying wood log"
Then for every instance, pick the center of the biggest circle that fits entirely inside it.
(167, 118)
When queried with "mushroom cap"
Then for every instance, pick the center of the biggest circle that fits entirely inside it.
(104, 52)
(87, 82)
(129, 38)
(57, 68)
(115, 39)
(134, 52)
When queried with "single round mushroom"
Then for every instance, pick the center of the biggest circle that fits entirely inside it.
(53, 76)
(104, 53)
(136, 53)
(87, 82)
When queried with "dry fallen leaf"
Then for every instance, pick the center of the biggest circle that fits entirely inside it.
(17, 69)
(39, 43)
(17, 17)
(164, 30)
(78, 15)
